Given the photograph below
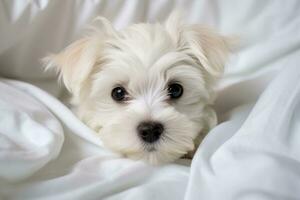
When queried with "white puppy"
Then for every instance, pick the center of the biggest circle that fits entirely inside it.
(148, 89)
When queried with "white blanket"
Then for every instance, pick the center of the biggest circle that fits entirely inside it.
(254, 153)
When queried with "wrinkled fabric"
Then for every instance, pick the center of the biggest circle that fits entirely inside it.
(253, 153)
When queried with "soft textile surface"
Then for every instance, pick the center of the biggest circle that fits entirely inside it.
(254, 153)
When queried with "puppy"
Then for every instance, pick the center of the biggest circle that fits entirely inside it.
(147, 89)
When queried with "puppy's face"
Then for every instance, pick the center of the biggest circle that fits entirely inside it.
(146, 89)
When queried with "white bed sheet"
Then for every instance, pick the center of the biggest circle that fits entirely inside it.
(47, 153)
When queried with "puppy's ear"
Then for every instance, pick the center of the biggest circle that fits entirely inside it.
(208, 47)
(74, 64)
(173, 25)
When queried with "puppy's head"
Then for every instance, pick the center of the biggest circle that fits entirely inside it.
(147, 89)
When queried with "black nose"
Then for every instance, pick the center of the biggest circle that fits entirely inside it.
(150, 131)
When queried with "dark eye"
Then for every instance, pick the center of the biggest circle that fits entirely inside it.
(175, 90)
(118, 93)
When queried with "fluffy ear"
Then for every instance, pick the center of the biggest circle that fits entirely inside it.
(75, 63)
(205, 45)
(173, 25)
(208, 47)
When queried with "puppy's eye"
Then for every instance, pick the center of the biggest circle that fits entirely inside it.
(118, 94)
(175, 90)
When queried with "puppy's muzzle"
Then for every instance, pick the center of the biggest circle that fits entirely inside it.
(150, 131)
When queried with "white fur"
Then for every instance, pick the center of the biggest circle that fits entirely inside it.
(144, 58)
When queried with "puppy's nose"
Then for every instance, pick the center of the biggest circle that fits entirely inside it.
(150, 131)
